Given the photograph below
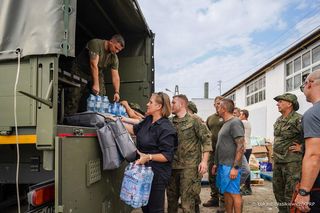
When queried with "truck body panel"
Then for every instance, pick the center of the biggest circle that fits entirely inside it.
(80, 179)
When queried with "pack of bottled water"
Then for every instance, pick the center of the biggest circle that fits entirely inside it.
(96, 103)
(117, 109)
(136, 185)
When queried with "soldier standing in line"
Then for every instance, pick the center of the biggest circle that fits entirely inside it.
(287, 150)
(192, 110)
(190, 162)
(214, 123)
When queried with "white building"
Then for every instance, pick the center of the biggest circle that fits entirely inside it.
(205, 107)
(283, 74)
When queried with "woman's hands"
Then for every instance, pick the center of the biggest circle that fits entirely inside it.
(144, 158)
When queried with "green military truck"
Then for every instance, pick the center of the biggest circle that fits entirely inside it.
(38, 42)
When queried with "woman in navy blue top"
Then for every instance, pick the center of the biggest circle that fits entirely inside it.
(156, 142)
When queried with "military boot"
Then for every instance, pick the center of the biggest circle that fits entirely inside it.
(211, 203)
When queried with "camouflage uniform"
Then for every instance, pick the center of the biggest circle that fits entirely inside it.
(193, 107)
(76, 98)
(214, 123)
(287, 164)
(185, 180)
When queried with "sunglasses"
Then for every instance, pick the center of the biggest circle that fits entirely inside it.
(161, 96)
(304, 84)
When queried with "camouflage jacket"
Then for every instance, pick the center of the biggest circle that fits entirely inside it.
(192, 134)
(287, 131)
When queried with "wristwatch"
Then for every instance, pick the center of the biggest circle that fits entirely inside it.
(303, 192)
(236, 167)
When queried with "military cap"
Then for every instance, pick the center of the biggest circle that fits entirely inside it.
(289, 97)
(192, 106)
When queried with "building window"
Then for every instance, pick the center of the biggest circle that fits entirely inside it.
(306, 60)
(255, 91)
(316, 54)
(232, 97)
(300, 66)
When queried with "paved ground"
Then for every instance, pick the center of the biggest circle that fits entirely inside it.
(261, 201)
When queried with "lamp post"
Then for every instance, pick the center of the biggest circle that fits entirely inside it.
(166, 89)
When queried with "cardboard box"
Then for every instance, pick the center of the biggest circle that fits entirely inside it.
(270, 152)
(259, 149)
(261, 155)
(253, 163)
(269, 147)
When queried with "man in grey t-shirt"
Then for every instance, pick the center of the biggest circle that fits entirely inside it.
(228, 156)
(308, 199)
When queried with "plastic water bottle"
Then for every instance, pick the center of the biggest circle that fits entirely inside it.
(105, 104)
(138, 177)
(91, 102)
(136, 185)
(115, 109)
(126, 186)
(98, 103)
(146, 187)
(122, 111)
(110, 108)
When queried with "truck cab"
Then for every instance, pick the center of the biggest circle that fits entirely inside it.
(39, 41)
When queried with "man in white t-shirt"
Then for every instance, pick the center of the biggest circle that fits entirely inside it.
(244, 114)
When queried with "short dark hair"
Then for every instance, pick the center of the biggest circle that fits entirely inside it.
(228, 104)
(183, 97)
(118, 38)
(245, 112)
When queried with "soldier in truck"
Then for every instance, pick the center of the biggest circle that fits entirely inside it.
(97, 57)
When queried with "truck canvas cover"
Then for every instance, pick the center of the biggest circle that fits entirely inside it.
(40, 27)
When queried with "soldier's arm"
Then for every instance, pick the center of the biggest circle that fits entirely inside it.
(207, 123)
(203, 166)
(116, 84)
(204, 135)
(240, 141)
(94, 59)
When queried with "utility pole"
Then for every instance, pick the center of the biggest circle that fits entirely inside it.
(219, 86)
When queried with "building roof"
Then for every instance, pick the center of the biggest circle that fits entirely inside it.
(290, 51)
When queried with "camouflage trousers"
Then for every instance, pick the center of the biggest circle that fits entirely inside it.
(186, 184)
(285, 177)
(76, 97)
(212, 178)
